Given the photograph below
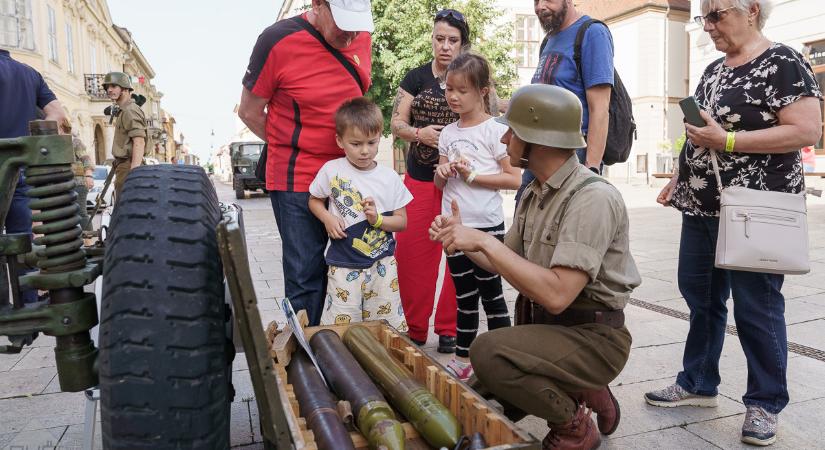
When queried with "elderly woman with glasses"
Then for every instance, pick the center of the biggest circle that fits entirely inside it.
(760, 103)
(419, 113)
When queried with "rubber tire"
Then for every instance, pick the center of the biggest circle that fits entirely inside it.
(163, 360)
(240, 193)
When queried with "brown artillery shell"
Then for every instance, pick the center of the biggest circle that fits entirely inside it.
(375, 418)
(317, 404)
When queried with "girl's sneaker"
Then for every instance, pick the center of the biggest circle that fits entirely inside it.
(461, 370)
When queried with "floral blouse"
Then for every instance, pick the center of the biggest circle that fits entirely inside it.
(748, 97)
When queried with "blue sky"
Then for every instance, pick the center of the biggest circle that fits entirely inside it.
(199, 50)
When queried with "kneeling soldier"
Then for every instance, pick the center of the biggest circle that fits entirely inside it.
(567, 254)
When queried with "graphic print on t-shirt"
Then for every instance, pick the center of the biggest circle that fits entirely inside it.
(463, 150)
(370, 242)
(429, 108)
(546, 70)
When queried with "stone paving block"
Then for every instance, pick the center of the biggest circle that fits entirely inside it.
(653, 290)
(41, 411)
(6, 438)
(255, 420)
(268, 304)
(660, 362)
(9, 360)
(53, 387)
(37, 439)
(639, 417)
(808, 333)
(239, 363)
(814, 278)
(74, 438)
(654, 266)
(37, 358)
(243, 385)
(799, 428)
(240, 432)
(255, 446)
(792, 290)
(669, 438)
(26, 381)
(649, 328)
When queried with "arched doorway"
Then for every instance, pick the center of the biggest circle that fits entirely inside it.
(100, 146)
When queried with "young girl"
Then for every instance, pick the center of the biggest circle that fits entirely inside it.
(473, 166)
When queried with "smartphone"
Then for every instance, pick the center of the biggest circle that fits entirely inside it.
(691, 111)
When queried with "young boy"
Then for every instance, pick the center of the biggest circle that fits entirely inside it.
(366, 205)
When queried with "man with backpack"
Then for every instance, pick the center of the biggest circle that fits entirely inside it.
(577, 54)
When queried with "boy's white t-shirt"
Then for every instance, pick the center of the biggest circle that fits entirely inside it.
(346, 186)
(481, 146)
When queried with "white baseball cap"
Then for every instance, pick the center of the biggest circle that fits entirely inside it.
(352, 15)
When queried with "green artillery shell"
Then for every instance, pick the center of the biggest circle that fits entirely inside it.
(317, 404)
(375, 418)
(432, 419)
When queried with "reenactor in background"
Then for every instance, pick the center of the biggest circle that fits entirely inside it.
(84, 182)
(130, 127)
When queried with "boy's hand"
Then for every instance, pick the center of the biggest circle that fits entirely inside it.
(335, 227)
(369, 210)
(445, 170)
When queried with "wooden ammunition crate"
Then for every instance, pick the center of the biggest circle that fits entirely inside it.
(472, 411)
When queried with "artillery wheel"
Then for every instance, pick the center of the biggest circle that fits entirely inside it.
(163, 355)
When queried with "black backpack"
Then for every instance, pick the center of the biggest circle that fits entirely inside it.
(621, 130)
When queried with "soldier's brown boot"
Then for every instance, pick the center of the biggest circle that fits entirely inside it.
(606, 407)
(577, 434)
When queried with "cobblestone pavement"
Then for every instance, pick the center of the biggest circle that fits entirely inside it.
(34, 414)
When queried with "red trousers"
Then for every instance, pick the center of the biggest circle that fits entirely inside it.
(418, 261)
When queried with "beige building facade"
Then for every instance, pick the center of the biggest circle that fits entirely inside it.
(73, 44)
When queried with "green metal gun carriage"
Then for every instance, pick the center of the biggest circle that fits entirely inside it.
(176, 289)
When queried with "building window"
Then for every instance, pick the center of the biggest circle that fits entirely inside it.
(52, 35)
(69, 49)
(92, 59)
(16, 28)
(528, 37)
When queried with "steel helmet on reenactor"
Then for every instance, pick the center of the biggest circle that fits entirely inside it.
(118, 79)
(546, 115)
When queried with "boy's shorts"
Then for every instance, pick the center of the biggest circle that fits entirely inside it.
(355, 295)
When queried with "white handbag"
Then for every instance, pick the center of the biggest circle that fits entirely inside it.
(761, 231)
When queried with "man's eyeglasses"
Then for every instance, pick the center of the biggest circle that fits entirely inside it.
(445, 13)
(712, 17)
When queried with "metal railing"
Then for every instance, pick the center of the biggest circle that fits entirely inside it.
(94, 86)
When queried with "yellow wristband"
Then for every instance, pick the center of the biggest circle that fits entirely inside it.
(730, 141)
(378, 222)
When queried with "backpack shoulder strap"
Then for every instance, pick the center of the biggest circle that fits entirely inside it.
(577, 46)
(337, 54)
(544, 43)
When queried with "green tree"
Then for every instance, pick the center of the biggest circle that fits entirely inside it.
(402, 41)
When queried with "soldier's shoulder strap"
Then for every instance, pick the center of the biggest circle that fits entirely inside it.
(566, 202)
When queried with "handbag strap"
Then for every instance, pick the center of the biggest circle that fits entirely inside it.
(714, 157)
(338, 55)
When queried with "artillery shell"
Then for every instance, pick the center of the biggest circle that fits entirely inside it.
(375, 418)
(433, 420)
(317, 404)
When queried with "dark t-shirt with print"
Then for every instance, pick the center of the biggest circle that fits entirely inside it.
(748, 97)
(429, 107)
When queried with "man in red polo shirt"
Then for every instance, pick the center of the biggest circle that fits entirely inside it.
(300, 71)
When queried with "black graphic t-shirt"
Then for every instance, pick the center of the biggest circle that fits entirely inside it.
(429, 107)
(748, 97)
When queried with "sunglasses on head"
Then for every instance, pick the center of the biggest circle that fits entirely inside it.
(445, 13)
(712, 17)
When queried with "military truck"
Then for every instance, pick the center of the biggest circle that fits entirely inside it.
(244, 161)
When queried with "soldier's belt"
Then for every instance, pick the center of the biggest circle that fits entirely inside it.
(528, 312)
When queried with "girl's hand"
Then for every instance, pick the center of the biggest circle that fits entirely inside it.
(711, 135)
(667, 192)
(369, 210)
(445, 170)
(463, 169)
(335, 227)
(429, 135)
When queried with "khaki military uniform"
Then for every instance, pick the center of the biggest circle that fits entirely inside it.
(82, 163)
(536, 367)
(129, 124)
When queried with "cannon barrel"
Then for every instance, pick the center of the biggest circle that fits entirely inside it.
(433, 420)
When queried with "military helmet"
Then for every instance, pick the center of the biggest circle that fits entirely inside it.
(546, 115)
(118, 79)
